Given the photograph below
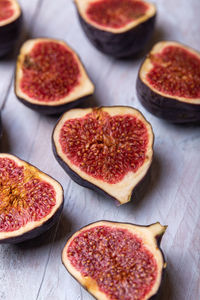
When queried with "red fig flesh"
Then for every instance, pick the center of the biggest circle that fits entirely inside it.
(109, 148)
(50, 76)
(10, 24)
(116, 13)
(168, 83)
(30, 201)
(116, 260)
(119, 28)
(9, 11)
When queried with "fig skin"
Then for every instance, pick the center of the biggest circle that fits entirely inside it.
(49, 108)
(158, 239)
(166, 107)
(88, 182)
(0, 126)
(9, 35)
(119, 45)
(36, 231)
(45, 223)
(122, 45)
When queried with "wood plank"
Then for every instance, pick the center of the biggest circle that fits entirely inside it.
(169, 195)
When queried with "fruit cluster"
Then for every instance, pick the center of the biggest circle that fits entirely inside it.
(108, 149)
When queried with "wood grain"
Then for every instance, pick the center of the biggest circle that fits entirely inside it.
(170, 194)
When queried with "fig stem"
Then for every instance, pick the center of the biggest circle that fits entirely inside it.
(157, 229)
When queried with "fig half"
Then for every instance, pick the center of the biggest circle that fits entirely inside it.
(108, 149)
(30, 200)
(168, 83)
(10, 24)
(120, 28)
(50, 77)
(116, 260)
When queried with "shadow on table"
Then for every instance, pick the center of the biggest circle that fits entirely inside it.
(166, 289)
(158, 35)
(57, 233)
(148, 184)
(12, 54)
(4, 141)
(91, 101)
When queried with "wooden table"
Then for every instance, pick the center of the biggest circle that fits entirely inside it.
(171, 193)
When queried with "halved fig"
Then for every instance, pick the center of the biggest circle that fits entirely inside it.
(120, 28)
(116, 260)
(50, 77)
(108, 149)
(10, 24)
(168, 83)
(30, 200)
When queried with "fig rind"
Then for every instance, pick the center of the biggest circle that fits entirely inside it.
(82, 90)
(119, 44)
(32, 229)
(53, 110)
(154, 231)
(9, 34)
(122, 191)
(170, 108)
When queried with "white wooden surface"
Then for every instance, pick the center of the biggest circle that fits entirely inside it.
(33, 270)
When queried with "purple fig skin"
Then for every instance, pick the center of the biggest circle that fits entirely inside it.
(45, 107)
(120, 45)
(159, 238)
(79, 180)
(9, 35)
(85, 183)
(0, 126)
(52, 110)
(165, 107)
(36, 231)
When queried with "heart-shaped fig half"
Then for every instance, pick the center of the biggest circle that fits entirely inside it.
(10, 24)
(116, 260)
(168, 83)
(30, 200)
(50, 77)
(108, 149)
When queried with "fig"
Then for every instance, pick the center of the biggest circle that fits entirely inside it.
(30, 200)
(120, 28)
(50, 77)
(107, 149)
(10, 25)
(116, 260)
(168, 83)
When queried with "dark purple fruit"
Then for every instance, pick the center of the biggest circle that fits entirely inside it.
(0, 127)
(30, 200)
(108, 149)
(120, 28)
(50, 77)
(116, 260)
(168, 83)
(10, 25)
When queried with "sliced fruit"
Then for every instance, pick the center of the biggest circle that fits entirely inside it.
(116, 260)
(10, 24)
(168, 83)
(50, 77)
(108, 149)
(119, 28)
(30, 200)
